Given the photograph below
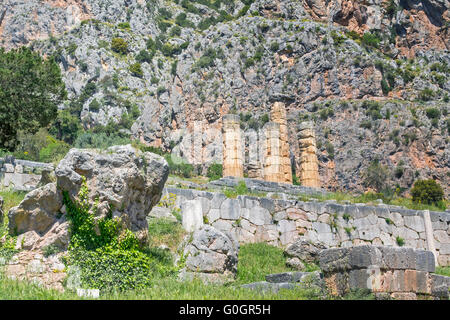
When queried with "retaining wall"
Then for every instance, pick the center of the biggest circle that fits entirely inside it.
(21, 174)
(281, 222)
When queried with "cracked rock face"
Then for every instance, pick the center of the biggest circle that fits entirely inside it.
(212, 254)
(121, 179)
(281, 54)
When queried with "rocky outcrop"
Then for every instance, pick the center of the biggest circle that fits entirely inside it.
(399, 273)
(212, 256)
(418, 25)
(233, 162)
(120, 180)
(309, 165)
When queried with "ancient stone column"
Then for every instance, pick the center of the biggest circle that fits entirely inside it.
(233, 162)
(272, 147)
(254, 163)
(278, 115)
(197, 143)
(309, 167)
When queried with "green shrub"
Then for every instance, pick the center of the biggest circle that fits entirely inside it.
(108, 254)
(400, 241)
(206, 60)
(371, 40)
(274, 46)
(427, 192)
(426, 94)
(119, 45)
(433, 113)
(175, 31)
(376, 176)
(144, 56)
(124, 25)
(215, 171)
(136, 70)
(241, 188)
(55, 150)
(178, 167)
(94, 106)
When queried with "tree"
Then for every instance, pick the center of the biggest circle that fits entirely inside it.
(427, 191)
(31, 88)
(376, 176)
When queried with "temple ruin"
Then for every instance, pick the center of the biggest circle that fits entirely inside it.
(233, 164)
(267, 156)
(309, 167)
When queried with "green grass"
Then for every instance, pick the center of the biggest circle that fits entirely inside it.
(11, 199)
(161, 289)
(445, 271)
(256, 260)
(165, 232)
(21, 290)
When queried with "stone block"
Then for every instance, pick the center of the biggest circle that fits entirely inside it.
(259, 216)
(415, 223)
(286, 226)
(213, 215)
(440, 286)
(217, 200)
(425, 261)
(192, 217)
(364, 257)
(359, 279)
(398, 258)
(285, 277)
(223, 225)
(321, 227)
(287, 238)
(9, 168)
(334, 260)
(280, 215)
(230, 209)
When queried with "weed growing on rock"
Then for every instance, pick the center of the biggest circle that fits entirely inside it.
(108, 254)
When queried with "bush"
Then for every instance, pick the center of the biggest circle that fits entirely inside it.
(433, 113)
(119, 45)
(144, 56)
(124, 25)
(427, 192)
(371, 40)
(274, 46)
(179, 167)
(107, 253)
(175, 31)
(99, 140)
(215, 171)
(54, 151)
(136, 70)
(376, 176)
(426, 94)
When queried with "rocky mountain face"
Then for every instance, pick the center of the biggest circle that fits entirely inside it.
(373, 76)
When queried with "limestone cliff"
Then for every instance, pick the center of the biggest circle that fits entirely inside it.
(325, 60)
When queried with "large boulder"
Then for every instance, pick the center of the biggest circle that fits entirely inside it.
(212, 255)
(304, 251)
(121, 180)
